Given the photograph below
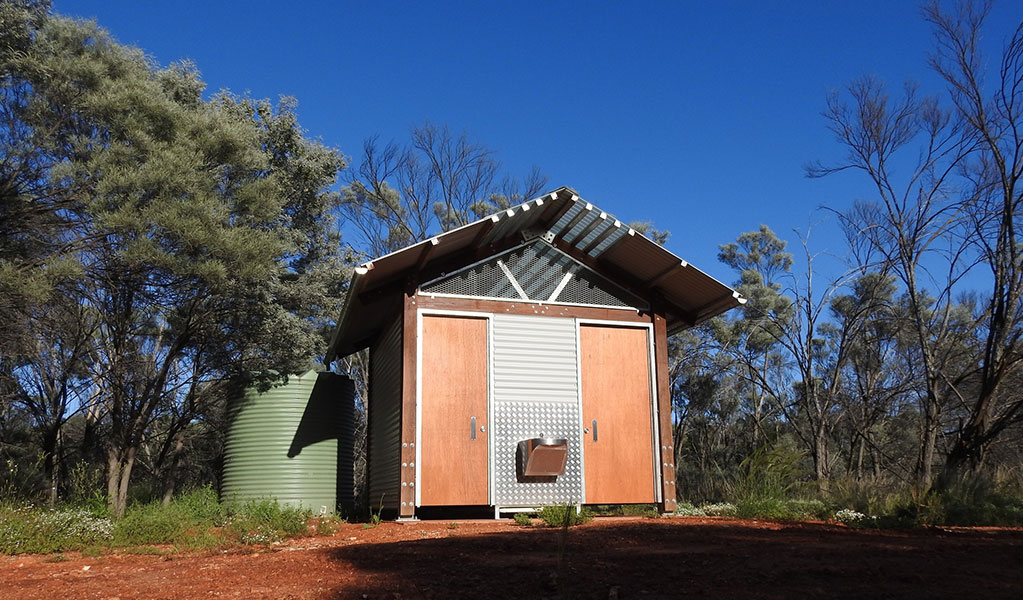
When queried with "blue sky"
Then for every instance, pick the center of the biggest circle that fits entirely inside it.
(698, 117)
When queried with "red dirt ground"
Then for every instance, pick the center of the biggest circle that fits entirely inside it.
(608, 558)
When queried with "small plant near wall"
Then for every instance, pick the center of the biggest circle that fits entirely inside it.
(563, 515)
(374, 516)
(523, 519)
(719, 509)
(854, 518)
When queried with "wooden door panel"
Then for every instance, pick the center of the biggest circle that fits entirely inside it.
(615, 378)
(453, 466)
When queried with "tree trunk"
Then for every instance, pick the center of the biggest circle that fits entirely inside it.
(928, 443)
(119, 464)
(859, 457)
(51, 463)
(964, 459)
(171, 480)
(820, 460)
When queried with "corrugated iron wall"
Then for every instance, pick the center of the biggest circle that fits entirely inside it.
(283, 443)
(346, 445)
(384, 436)
(536, 394)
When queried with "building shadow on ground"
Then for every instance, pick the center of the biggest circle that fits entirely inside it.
(666, 558)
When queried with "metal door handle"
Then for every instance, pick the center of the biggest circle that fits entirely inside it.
(472, 428)
(594, 430)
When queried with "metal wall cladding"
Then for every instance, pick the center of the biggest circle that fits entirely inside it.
(283, 443)
(384, 435)
(536, 394)
(348, 421)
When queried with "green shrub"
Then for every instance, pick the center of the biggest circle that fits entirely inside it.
(776, 508)
(770, 472)
(640, 510)
(685, 509)
(719, 509)
(40, 531)
(191, 513)
(854, 518)
(266, 521)
(195, 521)
(202, 506)
(328, 525)
(522, 519)
(203, 540)
(975, 501)
(762, 508)
(152, 523)
(807, 509)
(559, 515)
(972, 501)
(872, 496)
(85, 488)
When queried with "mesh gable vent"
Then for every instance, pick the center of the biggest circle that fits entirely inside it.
(587, 287)
(485, 280)
(539, 269)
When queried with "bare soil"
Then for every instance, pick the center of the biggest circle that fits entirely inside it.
(607, 558)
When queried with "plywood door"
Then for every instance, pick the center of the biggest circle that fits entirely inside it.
(615, 379)
(453, 465)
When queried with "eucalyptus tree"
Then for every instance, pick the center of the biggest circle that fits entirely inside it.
(401, 194)
(201, 230)
(991, 112)
(750, 339)
(819, 350)
(932, 223)
(875, 375)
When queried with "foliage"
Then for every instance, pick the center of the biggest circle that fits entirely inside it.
(562, 515)
(266, 521)
(974, 500)
(522, 519)
(640, 510)
(629, 510)
(686, 509)
(194, 520)
(957, 206)
(327, 525)
(402, 194)
(719, 509)
(156, 523)
(808, 509)
(28, 529)
(767, 474)
(851, 517)
(156, 246)
(152, 524)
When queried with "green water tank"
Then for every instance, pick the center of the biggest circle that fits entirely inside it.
(292, 442)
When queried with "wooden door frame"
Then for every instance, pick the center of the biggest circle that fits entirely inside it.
(434, 312)
(655, 432)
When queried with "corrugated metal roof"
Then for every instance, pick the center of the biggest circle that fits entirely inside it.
(688, 295)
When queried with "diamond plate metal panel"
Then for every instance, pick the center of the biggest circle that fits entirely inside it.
(516, 421)
(536, 394)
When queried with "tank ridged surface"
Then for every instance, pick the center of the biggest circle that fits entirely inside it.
(283, 443)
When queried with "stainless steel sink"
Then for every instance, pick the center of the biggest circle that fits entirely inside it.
(543, 457)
